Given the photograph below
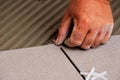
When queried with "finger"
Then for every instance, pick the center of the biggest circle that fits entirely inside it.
(78, 34)
(63, 29)
(99, 37)
(107, 35)
(89, 40)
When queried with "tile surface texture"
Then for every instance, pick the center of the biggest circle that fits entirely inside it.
(37, 63)
(104, 58)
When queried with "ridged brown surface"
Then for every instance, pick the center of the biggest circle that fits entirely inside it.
(116, 14)
(26, 23)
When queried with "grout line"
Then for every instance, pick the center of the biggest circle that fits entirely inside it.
(72, 62)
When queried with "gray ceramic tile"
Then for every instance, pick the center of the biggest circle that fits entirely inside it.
(106, 57)
(36, 63)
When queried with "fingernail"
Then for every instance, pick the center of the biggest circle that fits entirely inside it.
(57, 41)
(67, 43)
(93, 46)
(87, 48)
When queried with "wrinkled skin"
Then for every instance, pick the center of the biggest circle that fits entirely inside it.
(93, 24)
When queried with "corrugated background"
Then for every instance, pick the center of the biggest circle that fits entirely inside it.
(27, 23)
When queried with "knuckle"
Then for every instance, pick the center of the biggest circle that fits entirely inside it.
(86, 20)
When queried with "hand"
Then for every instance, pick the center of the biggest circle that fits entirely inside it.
(93, 24)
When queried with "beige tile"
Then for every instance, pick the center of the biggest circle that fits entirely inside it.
(104, 58)
(36, 63)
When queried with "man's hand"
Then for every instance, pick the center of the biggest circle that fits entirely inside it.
(93, 24)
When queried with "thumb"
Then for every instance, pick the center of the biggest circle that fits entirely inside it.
(63, 29)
